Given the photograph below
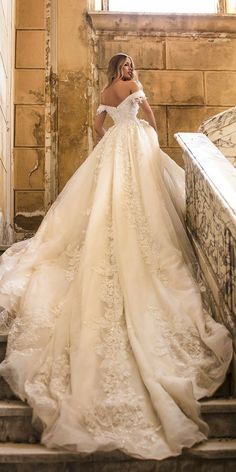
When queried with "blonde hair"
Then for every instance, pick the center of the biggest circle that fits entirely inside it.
(115, 65)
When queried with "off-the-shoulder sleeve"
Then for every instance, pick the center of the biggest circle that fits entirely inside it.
(100, 109)
(139, 96)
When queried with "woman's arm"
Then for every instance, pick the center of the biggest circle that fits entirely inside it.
(148, 114)
(98, 123)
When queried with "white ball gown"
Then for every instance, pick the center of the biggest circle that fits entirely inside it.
(109, 342)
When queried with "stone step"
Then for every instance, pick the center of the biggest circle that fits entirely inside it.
(16, 417)
(15, 422)
(210, 456)
(3, 345)
(5, 391)
(220, 414)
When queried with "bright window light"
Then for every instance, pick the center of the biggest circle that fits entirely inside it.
(98, 4)
(166, 6)
(231, 6)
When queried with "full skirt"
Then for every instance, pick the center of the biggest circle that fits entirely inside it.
(109, 341)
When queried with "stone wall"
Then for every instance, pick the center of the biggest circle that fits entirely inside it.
(187, 66)
(51, 103)
(187, 75)
(29, 100)
(74, 86)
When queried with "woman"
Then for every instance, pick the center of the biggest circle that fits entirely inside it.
(110, 344)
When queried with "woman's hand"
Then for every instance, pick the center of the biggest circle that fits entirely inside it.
(149, 115)
(98, 123)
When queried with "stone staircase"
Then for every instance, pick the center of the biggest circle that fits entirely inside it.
(20, 450)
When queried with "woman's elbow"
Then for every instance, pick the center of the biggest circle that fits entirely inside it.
(96, 127)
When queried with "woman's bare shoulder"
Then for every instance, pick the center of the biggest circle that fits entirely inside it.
(135, 85)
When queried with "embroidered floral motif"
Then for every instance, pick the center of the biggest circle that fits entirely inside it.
(121, 410)
(73, 255)
(50, 383)
(118, 347)
(181, 341)
(133, 206)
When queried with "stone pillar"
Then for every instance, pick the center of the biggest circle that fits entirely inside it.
(52, 90)
(74, 79)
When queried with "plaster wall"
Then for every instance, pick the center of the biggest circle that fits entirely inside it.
(52, 76)
(29, 106)
(187, 76)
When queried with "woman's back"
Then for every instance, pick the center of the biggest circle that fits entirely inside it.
(117, 92)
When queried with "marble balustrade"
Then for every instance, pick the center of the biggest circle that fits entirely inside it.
(221, 130)
(211, 223)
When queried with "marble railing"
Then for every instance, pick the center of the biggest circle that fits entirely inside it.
(221, 130)
(211, 223)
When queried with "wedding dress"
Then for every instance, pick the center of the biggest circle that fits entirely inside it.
(109, 342)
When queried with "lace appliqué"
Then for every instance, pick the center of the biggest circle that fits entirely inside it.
(6, 321)
(182, 342)
(133, 207)
(121, 411)
(50, 383)
(73, 256)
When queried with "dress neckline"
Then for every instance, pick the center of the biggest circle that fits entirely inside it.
(130, 95)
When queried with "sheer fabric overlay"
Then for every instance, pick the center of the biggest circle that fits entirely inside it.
(108, 340)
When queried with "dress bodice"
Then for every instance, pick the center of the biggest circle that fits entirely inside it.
(126, 110)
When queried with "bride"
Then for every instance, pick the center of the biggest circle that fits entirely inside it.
(109, 341)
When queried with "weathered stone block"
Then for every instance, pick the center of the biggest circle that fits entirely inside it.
(29, 126)
(5, 391)
(30, 49)
(102, 80)
(72, 36)
(201, 53)
(222, 425)
(148, 54)
(187, 119)
(220, 88)
(70, 158)
(30, 14)
(29, 86)
(160, 116)
(17, 429)
(173, 87)
(29, 209)
(3, 347)
(72, 125)
(28, 168)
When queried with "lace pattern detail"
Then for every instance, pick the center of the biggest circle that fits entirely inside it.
(181, 341)
(133, 207)
(121, 411)
(86, 317)
(6, 321)
(50, 384)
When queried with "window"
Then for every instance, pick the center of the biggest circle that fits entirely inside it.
(180, 6)
(231, 6)
(167, 6)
